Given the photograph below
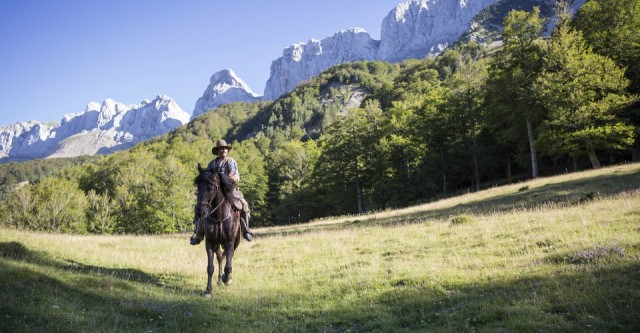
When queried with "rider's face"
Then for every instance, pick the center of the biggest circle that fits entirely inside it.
(223, 152)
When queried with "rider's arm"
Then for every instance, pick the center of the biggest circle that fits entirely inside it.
(233, 170)
(234, 177)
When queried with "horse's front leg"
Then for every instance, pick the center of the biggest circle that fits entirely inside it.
(219, 257)
(207, 293)
(228, 251)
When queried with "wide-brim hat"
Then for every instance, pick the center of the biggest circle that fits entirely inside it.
(220, 144)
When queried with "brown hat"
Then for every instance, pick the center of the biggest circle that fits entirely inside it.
(220, 144)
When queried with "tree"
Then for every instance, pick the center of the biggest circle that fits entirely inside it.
(511, 78)
(612, 27)
(346, 150)
(100, 213)
(254, 182)
(341, 160)
(466, 97)
(60, 206)
(434, 129)
(19, 207)
(582, 90)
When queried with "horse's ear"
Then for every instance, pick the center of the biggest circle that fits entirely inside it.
(199, 167)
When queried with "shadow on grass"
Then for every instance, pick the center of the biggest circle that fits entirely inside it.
(17, 251)
(38, 294)
(585, 299)
(42, 294)
(571, 192)
(579, 299)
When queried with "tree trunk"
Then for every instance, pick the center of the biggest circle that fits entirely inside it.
(359, 196)
(444, 173)
(595, 162)
(635, 151)
(476, 172)
(358, 189)
(532, 149)
(508, 168)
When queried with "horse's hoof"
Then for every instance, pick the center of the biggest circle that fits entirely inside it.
(206, 295)
(228, 283)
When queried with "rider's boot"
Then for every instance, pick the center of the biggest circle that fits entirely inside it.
(244, 225)
(198, 234)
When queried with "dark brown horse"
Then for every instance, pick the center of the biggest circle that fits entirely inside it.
(221, 224)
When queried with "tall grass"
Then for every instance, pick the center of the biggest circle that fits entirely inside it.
(558, 254)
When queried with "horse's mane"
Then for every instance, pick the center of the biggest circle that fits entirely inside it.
(227, 183)
(203, 177)
(227, 186)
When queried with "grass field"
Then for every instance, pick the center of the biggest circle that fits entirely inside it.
(559, 254)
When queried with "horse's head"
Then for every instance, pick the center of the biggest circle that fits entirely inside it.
(207, 183)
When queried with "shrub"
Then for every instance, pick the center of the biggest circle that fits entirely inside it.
(461, 219)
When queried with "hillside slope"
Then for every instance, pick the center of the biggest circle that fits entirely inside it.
(558, 254)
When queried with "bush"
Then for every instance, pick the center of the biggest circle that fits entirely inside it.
(461, 219)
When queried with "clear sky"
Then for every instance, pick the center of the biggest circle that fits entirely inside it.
(56, 56)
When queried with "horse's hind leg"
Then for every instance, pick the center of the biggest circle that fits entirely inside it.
(207, 292)
(219, 257)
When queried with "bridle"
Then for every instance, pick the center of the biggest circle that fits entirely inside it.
(208, 204)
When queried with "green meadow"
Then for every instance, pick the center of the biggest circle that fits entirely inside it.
(558, 254)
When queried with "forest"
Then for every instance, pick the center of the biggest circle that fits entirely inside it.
(373, 136)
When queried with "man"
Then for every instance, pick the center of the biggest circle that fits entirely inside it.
(228, 166)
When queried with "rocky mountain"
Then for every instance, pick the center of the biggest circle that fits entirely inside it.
(414, 29)
(99, 129)
(487, 24)
(301, 61)
(418, 29)
(224, 87)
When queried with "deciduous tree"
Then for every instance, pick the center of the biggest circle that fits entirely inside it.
(582, 90)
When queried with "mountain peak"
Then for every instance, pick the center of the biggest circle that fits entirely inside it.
(224, 87)
(227, 79)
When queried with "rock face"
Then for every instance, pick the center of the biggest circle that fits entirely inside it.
(100, 129)
(301, 62)
(419, 29)
(224, 87)
(414, 29)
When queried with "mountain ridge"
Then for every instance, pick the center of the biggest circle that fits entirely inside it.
(101, 128)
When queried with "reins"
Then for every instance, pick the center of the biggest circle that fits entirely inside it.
(211, 212)
(208, 216)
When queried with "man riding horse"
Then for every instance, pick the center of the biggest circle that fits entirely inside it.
(228, 166)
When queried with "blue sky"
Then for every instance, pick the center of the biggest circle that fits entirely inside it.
(56, 56)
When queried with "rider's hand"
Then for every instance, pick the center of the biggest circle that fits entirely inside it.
(234, 177)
